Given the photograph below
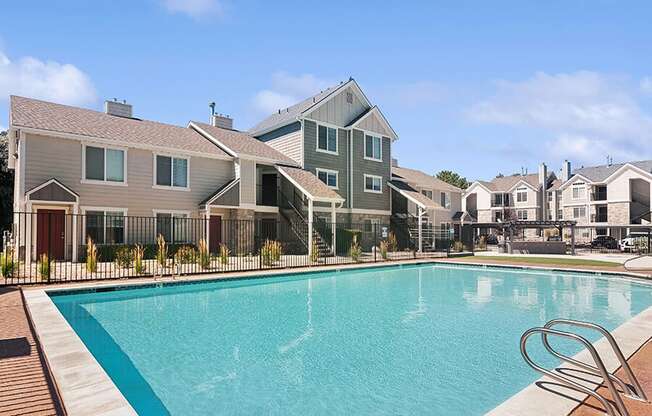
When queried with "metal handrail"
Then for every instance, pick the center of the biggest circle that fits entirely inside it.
(618, 410)
(635, 390)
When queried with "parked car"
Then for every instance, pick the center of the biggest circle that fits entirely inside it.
(604, 241)
(633, 242)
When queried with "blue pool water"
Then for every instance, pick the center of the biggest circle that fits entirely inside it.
(432, 339)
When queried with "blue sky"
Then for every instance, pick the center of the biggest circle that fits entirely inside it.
(476, 87)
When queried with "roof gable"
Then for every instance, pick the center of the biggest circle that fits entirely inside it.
(374, 121)
(340, 108)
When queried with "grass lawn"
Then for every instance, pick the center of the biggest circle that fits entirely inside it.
(571, 261)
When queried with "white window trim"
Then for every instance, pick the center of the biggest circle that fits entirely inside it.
(337, 140)
(432, 193)
(447, 199)
(579, 208)
(372, 222)
(171, 187)
(521, 211)
(578, 185)
(521, 190)
(371, 191)
(330, 171)
(103, 182)
(365, 133)
(85, 209)
(171, 212)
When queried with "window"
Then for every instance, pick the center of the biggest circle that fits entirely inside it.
(104, 164)
(521, 214)
(171, 172)
(579, 212)
(173, 226)
(498, 216)
(105, 227)
(427, 193)
(373, 147)
(521, 194)
(445, 199)
(560, 214)
(371, 225)
(329, 177)
(549, 196)
(326, 139)
(373, 184)
(579, 190)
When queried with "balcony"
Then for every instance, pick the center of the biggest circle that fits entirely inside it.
(599, 217)
(599, 194)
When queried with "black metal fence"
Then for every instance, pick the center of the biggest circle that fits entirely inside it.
(51, 246)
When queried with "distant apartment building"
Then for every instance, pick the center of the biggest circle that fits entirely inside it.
(611, 199)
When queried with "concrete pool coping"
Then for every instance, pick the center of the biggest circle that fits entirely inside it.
(86, 389)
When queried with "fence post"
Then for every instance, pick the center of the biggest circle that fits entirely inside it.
(375, 243)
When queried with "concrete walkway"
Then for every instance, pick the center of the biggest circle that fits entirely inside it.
(25, 387)
(613, 257)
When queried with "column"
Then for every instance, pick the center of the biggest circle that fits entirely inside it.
(75, 243)
(420, 211)
(333, 227)
(573, 240)
(310, 215)
(29, 225)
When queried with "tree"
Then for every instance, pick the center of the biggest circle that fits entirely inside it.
(453, 179)
(6, 184)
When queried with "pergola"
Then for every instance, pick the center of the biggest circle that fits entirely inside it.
(511, 225)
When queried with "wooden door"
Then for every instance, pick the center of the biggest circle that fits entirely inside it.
(50, 233)
(215, 233)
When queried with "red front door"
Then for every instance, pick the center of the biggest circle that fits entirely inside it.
(215, 232)
(50, 233)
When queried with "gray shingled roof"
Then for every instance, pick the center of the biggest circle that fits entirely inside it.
(290, 114)
(409, 192)
(602, 172)
(505, 183)
(310, 183)
(43, 115)
(243, 144)
(422, 179)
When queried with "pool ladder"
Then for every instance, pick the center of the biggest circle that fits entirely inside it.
(632, 390)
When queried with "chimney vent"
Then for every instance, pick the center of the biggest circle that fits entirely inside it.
(118, 109)
(221, 120)
(394, 162)
(565, 171)
(543, 175)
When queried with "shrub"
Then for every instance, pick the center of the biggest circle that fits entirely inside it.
(91, 256)
(138, 255)
(43, 267)
(7, 264)
(482, 242)
(392, 243)
(124, 257)
(161, 251)
(355, 251)
(224, 254)
(204, 257)
(185, 255)
(314, 256)
(384, 246)
(458, 246)
(271, 252)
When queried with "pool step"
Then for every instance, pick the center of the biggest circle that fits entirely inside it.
(614, 406)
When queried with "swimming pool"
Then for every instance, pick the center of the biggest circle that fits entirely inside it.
(436, 339)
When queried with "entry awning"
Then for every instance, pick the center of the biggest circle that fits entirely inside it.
(309, 184)
(412, 194)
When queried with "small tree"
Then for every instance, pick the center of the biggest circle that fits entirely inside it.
(453, 178)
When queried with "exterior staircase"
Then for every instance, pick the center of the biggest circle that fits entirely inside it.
(292, 210)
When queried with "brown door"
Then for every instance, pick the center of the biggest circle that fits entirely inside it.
(215, 231)
(50, 233)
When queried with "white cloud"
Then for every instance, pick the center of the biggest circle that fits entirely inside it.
(589, 114)
(646, 85)
(196, 9)
(287, 90)
(62, 83)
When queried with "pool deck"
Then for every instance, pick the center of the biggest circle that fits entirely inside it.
(25, 385)
(86, 389)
